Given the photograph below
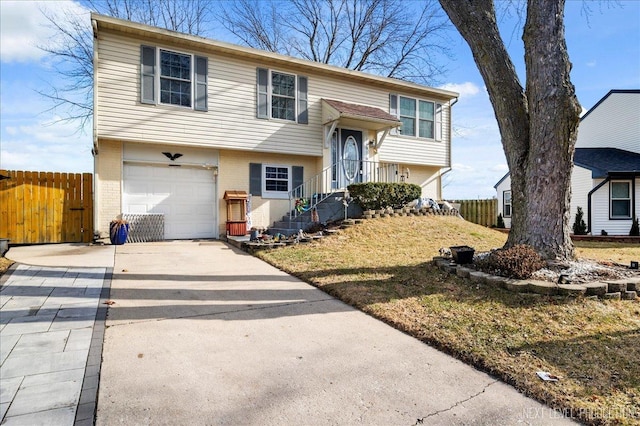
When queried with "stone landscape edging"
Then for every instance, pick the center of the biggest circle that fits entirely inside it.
(625, 288)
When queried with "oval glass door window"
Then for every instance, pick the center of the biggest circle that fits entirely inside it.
(350, 158)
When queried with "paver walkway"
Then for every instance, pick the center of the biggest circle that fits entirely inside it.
(51, 332)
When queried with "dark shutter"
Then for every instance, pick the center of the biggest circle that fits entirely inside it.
(201, 83)
(393, 110)
(255, 179)
(438, 123)
(303, 115)
(297, 179)
(262, 106)
(147, 74)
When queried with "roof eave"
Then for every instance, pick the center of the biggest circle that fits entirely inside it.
(119, 25)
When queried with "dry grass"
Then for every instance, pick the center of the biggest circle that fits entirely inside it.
(383, 267)
(5, 264)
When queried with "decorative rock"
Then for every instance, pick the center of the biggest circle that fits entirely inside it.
(463, 272)
(478, 276)
(633, 284)
(518, 286)
(496, 281)
(595, 289)
(543, 287)
(571, 290)
(612, 296)
(368, 216)
(616, 286)
(629, 295)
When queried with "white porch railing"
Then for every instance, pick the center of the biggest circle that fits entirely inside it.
(334, 179)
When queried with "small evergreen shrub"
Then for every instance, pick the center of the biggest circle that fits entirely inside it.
(500, 223)
(519, 261)
(579, 227)
(635, 228)
(380, 195)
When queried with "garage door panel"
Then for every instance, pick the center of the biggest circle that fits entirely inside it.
(185, 196)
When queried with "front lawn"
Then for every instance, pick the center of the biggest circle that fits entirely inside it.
(383, 268)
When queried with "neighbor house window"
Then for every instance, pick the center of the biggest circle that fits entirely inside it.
(620, 200)
(281, 95)
(419, 117)
(276, 178)
(173, 78)
(506, 203)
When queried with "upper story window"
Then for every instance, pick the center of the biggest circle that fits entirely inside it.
(281, 96)
(420, 118)
(173, 78)
(620, 199)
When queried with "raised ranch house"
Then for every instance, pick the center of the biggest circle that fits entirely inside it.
(605, 180)
(181, 120)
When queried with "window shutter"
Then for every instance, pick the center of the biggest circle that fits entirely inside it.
(201, 83)
(297, 179)
(438, 122)
(147, 74)
(255, 179)
(393, 110)
(262, 107)
(303, 115)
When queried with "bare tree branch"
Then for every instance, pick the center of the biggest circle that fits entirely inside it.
(386, 37)
(72, 50)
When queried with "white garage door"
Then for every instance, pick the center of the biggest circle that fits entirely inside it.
(186, 196)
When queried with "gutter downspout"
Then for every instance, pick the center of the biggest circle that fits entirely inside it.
(600, 185)
(449, 168)
(94, 151)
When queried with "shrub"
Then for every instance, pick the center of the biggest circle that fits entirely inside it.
(579, 227)
(635, 228)
(379, 195)
(500, 223)
(519, 261)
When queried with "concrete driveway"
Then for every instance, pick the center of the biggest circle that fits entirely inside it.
(201, 333)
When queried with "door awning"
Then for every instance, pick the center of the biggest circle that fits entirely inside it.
(357, 116)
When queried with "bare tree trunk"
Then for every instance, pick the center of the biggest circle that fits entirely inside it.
(538, 125)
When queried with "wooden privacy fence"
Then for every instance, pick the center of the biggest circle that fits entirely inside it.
(482, 212)
(45, 207)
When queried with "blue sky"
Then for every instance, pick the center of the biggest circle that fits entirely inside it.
(604, 47)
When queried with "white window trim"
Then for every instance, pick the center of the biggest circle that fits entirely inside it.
(504, 204)
(611, 199)
(295, 96)
(437, 121)
(158, 77)
(276, 194)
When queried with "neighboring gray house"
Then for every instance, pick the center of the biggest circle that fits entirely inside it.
(605, 180)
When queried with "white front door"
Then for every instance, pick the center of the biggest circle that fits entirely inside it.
(346, 158)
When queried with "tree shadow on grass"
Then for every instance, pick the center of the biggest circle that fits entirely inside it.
(365, 286)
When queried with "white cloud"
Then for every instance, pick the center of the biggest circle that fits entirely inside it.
(500, 168)
(23, 27)
(592, 63)
(464, 89)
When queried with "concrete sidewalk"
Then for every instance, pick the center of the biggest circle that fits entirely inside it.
(203, 334)
(51, 333)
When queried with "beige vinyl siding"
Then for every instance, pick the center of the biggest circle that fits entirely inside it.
(413, 150)
(612, 124)
(427, 177)
(581, 184)
(600, 211)
(234, 175)
(231, 121)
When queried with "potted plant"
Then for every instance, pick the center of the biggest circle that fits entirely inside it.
(462, 254)
(118, 231)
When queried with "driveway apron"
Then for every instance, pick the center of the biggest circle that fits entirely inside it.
(201, 333)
